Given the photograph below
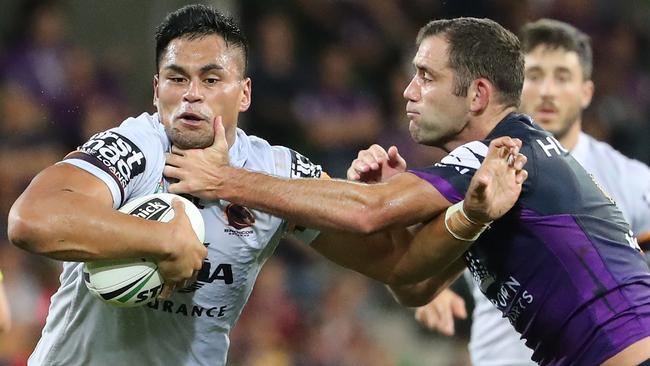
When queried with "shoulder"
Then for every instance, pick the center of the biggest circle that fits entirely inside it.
(145, 127)
(278, 160)
(609, 158)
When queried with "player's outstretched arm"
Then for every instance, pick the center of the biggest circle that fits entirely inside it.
(324, 204)
(493, 191)
(67, 214)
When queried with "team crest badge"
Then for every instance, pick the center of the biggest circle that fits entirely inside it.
(239, 217)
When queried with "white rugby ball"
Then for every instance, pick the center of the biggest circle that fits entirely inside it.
(135, 282)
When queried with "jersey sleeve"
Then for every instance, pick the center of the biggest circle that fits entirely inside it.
(293, 165)
(125, 158)
(452, 175)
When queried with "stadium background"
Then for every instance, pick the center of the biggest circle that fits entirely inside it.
(327, 80)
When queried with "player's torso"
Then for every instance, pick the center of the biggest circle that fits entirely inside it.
(192, 326)
(561, 263)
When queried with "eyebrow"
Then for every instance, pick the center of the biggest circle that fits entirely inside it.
(204, 69)
(537, 68)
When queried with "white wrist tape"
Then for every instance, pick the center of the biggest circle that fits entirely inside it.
(462, 227)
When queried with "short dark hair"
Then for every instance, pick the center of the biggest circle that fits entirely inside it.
(481, 48)
(556, 34)
(196, 21)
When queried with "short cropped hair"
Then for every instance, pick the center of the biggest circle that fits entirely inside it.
(556, 34)
(481, 48)
(196, 21)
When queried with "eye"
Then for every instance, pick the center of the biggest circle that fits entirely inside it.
(425, 76)
(176, 79)
(211, 81)
(563, 77)
(533, 76)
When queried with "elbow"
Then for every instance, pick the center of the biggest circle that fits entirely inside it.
(410, 299)
(372, 217)
(22, 228)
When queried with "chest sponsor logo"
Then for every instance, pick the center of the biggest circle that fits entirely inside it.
(220, 274)
(151, 210)
(120, 156)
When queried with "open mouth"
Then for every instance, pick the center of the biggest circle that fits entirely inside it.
(191, 118)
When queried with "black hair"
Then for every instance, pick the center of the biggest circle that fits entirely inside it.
(196, 21)
(481, 48)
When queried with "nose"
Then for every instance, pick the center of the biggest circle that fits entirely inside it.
(548, 87)
(193, 93)
(412, 92)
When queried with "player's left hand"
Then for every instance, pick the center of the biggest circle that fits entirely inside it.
(195, 170)
(496, 185)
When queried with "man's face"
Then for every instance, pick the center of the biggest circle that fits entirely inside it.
(555, 92)
(436, 116)
(198, 80)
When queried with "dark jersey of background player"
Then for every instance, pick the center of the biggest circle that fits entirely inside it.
(593, 266)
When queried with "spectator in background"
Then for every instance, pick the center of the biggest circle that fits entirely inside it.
(59, 75)
(279, 76)
(337, 118)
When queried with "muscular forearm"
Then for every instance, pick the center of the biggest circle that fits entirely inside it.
(432, 249)
(423, 292)
(331, 204)
(72, 226)
(398, 256)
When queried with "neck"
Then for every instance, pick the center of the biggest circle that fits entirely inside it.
(479, 126)
(570, 138)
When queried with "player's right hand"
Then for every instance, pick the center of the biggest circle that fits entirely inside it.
(440, 313)
(185, 255)
(376, 164)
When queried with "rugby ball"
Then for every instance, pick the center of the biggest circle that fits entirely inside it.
(136, 281)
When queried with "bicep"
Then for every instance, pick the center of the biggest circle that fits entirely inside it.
(61, 179)
(410, 200)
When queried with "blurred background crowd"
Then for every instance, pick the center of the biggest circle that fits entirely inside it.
(328, 77)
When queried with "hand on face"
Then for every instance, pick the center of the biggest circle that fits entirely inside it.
(376, 164)
(496, 185)
(196, 170)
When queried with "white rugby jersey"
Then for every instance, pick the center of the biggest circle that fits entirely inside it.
(192, 326)
(494, 341)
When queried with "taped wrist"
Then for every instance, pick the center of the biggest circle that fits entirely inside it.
(462, 227)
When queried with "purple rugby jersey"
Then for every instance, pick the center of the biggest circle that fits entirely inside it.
(562, 265)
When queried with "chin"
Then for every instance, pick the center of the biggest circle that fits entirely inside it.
(187, 141)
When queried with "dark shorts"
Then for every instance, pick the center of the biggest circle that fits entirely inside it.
(645, 363)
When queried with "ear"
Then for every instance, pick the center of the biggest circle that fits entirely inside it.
(245, 101)
(155, 91)
(586, 93)
(479, 94)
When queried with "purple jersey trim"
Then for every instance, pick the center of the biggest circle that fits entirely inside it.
(444, 187)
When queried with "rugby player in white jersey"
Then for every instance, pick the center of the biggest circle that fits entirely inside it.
(557, 88)
(69, 212)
